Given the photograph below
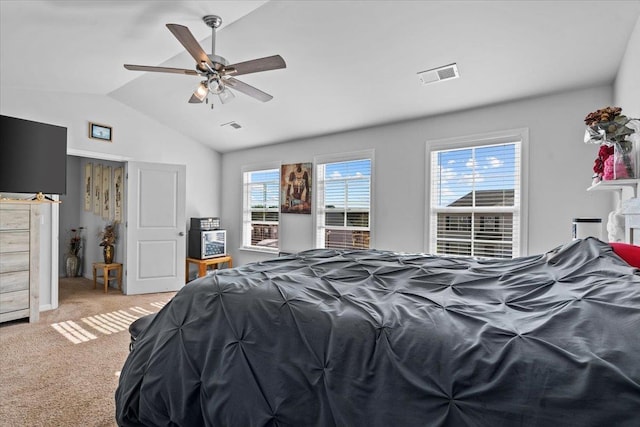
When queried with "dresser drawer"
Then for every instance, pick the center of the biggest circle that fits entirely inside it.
(13, 301)
(16, 261)
(14, 219)
(14, 241)
(14, 281)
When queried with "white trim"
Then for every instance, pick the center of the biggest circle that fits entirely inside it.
(345, 157)
(97, 155)
(497, 137)
(259, 250)
(246, 209)
(55, 224)
(260, 166)
(55, 238)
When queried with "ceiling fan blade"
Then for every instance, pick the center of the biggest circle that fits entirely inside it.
(160, 69)
(248, 89)
(255, 65)
(189, 42)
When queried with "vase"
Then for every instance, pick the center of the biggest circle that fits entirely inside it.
(624, 160)
(107, 252)
(79, 269)
(71, 265)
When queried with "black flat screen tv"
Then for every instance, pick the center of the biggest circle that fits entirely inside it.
(33, 157)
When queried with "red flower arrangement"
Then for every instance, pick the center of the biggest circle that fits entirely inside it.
(603, 154)
(615, 133)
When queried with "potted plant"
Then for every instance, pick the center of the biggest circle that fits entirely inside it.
(108, 238)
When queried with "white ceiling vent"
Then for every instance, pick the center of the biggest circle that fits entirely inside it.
(232, 124)
(439, 74)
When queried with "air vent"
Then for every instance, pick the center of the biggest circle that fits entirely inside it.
(231, 124)
(439, 74)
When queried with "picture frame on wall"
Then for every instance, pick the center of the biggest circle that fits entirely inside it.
(97, 189)
(295, 188)
(117, 196)
(88, 188)
(101, 132)
(106, 192)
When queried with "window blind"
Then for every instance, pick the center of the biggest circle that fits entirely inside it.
(344, 204)
(261, 209)
(475, 200)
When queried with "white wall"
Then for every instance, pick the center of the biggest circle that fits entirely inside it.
(627, 85)
(559, 171)
(136, 137)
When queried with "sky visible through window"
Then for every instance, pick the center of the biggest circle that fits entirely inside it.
(348, 184)
(264, 189)
(483, 168)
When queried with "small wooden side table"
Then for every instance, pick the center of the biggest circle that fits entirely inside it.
(204, 263)
(106, 268)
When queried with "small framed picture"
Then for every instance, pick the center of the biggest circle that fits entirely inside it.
(101, 132)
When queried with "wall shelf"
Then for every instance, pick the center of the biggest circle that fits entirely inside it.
(616, 184)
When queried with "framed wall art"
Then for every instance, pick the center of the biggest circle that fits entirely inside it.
(295, 188)
(88, 189)
(106, 192)
(97, 189)
(117, 196)
(101, 132)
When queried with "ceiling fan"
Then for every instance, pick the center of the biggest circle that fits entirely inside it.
(218, 74)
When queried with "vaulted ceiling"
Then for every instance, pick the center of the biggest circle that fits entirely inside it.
(350, 64)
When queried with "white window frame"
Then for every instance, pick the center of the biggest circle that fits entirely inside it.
(318, 190)
(520, 135)
(246, 208)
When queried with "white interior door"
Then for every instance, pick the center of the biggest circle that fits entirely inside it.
(156, 241)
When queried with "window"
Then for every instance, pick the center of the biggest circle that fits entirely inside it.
(475, 206)
(261, 209)
(343, 207)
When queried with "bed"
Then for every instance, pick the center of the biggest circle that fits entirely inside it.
(377, 338)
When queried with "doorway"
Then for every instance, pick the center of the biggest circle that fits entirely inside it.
(82, 219)
(152, 203)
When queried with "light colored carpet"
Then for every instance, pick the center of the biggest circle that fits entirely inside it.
(61, 376)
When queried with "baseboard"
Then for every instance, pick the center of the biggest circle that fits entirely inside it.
(46, 307)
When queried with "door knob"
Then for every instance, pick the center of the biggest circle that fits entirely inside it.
(181, 233)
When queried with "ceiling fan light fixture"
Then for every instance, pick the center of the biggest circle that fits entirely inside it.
(215, 85)
(201, 91)
(226, 96)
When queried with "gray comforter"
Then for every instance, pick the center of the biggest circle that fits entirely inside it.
(374, 338)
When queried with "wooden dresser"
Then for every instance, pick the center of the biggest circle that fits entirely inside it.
(19, 260)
